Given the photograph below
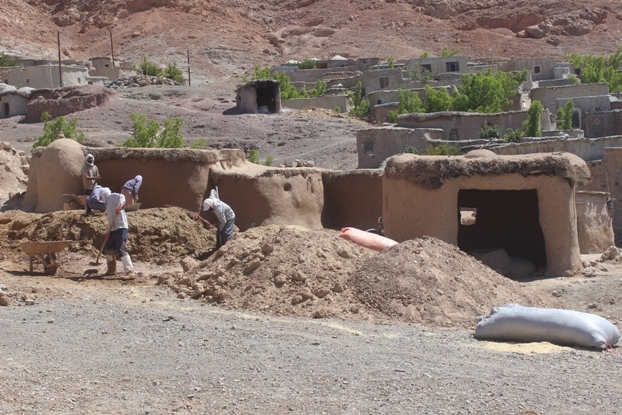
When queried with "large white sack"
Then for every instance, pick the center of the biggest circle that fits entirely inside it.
(516, 323)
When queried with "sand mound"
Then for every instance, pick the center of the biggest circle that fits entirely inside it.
(431, 282)
(13, 171)
(280, 271)
(158, 234)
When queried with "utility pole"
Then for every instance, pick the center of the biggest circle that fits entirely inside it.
(111, 47)
(188, 53)
(60, 70)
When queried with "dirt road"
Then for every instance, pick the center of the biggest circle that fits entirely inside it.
(100, 347)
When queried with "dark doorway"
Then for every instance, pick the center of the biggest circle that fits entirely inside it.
(508, 219)
(266, 95)
(6, 109)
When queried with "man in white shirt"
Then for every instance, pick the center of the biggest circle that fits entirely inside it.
(94, 201)
(116, 243)
(226, 218)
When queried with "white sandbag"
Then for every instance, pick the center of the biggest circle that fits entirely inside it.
(516, 323)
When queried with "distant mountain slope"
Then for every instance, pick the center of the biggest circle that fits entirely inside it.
(228, 37)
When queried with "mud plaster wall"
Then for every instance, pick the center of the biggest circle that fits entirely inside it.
(594, 225)
(411, 211)
(272, 196)
(173, 176)
(54, 171)
(352, 198)
(607, 177)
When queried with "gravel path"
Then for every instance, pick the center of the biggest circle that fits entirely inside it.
(110, 349)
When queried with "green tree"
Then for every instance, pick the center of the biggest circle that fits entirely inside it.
(417, 74)
(489, 132)
(307, 64)
(437, 100)
(149, 68)
(391, 62)
(409, 102)
(174, 73)
(513, 136)
(595, 69)
(200, 144)
(487, 92)
(441, 150)
(319, 90)
(253, 157)
(424, 55)
(447, 53)
(360, 106)
(6, 61)
(534, 126)
(147, 133)
(564, 116)
(51, 130)
(392, 116)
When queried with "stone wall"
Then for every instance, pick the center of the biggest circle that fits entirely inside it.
(375, 145)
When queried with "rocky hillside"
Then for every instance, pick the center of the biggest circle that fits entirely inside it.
(226, 38)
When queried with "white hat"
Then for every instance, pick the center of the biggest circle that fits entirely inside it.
(208, 203)
(104, 193)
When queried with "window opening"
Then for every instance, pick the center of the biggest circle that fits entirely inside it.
(452, 67)
(384, 82)
(508, 219)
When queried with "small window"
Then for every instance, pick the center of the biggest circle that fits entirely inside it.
(577, 71)
(378, 101)
(79, 80)
(6, 81)
(6, 109)
(468, 216)
(384, 82)
(453, 134)
(452, 67)
(536, 69)
(27, 81)
(427, 67)
(368, 146)
(106, 65)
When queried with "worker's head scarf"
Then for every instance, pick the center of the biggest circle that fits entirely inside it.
(139, 179)
(89, 157)
(104, 193)
(209, 203)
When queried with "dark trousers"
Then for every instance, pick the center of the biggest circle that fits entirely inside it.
(117, 243)
(226, 234)
(96, 204)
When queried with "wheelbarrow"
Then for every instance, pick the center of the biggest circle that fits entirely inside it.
(47, 251)
(73, 201)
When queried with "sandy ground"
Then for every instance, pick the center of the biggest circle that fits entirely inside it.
(106, 347)
(79, 343)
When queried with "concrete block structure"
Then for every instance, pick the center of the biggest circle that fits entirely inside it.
(259, 96)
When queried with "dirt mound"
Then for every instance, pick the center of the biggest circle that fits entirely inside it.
(294, 271)
(158, 235)
(13, 171)
(431, 282)
(280, 271)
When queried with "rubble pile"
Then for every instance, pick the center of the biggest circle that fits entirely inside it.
(140, 80)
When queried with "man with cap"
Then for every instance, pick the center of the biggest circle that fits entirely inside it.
(225, 215)
(116, 243)
(130, 189)
(90, 174)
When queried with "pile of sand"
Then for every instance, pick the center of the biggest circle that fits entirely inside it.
(432, 282)
(278, 270)
(293, 271)
(157, 235)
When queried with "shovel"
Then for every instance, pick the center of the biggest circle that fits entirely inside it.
(101, 249)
